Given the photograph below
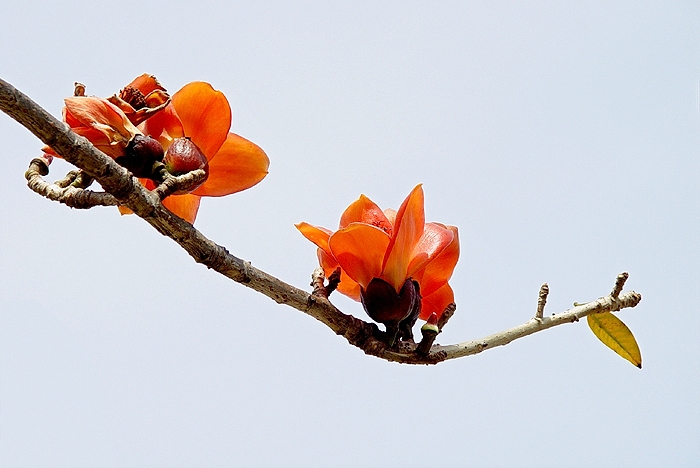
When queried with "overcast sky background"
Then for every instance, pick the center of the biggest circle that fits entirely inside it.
(561, 139)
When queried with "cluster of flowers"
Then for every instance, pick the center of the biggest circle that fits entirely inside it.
(143, 125)
(394, 262)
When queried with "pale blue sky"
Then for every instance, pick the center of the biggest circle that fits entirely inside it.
(562, 140)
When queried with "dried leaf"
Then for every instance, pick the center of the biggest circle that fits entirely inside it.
(615, 335)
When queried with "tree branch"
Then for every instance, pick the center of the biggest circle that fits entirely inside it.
(124, 189)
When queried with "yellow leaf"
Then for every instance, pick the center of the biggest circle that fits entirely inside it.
(615, 335)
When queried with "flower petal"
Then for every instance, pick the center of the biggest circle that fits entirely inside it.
(90, 109)
(439, 269)
(436, 302)
(316, 234)
(390, 214)
(434, 239)
(164, 126)
(146, 84)
(205, 115)
(359, 249)
(89, 116)
(364, 210)
(184, 206)
(238, 165)
(408, 229)
(102, 140)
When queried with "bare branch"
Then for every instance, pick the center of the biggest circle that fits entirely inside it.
(126, 190)
(629, 299)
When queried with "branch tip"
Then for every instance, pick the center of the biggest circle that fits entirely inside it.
(619, 284)
(542, 301)
(446, 315)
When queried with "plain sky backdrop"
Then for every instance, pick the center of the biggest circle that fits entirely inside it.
(561, 137)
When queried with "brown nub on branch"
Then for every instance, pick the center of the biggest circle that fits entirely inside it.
(318, 279)
(446, 315)
(542, 300)
(619, 284)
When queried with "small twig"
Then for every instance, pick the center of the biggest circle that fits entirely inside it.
(542, 300)
(82, 180)
(619, 284)
(78, 89)
(317, 281)
(446, 315)
(429, 331)
(318, 277)
(333, 281)
(68, 179)
(183, 183)
(64, 190)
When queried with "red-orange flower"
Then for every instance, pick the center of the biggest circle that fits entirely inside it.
(137, 126)
(141, 99)
(101, 122)
(202, 114)
(393, 261)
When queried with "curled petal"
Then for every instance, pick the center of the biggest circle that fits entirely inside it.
(146, 84)
(436, 302)
(317, 235)
(434, 239)
(101, 122)
(141, 99)
(205, 115)
(439, 269)
(88, 110)
(408, 229)
(239, 164)
(359, 249)
(184, 206)
(364, 210)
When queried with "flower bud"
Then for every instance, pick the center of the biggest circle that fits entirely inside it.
(397, 311)
(140, 155)
(184, 156)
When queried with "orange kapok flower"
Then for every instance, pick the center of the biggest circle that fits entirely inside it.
(111, 131)
(202, 115)
(141, 98)
(101, 122)
(394, 262)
